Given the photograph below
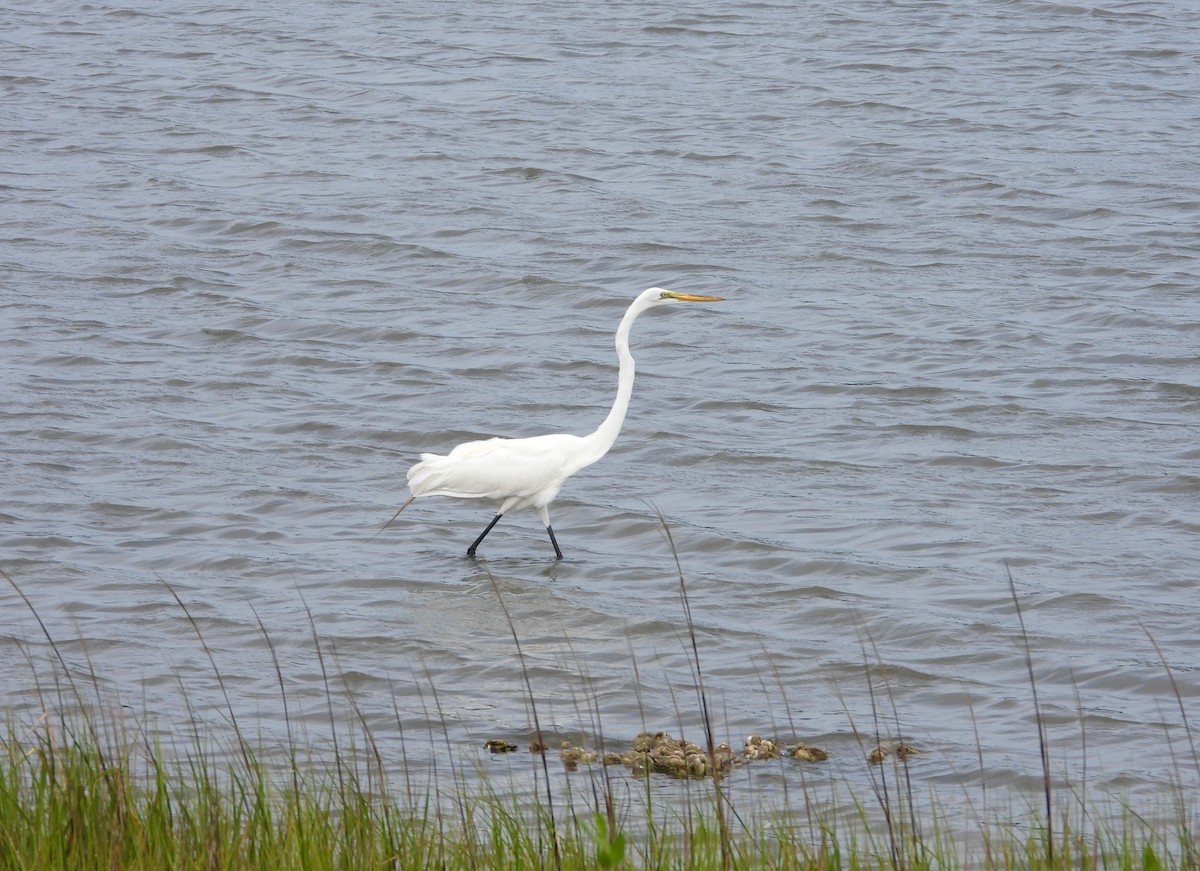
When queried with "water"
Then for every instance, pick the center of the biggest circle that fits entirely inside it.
(254, 262)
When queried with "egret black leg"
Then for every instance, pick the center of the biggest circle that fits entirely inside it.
(554, 541)
(483, 535)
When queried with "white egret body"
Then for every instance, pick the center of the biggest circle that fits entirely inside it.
(528, 473)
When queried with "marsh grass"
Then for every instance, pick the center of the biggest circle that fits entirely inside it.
(94, 789)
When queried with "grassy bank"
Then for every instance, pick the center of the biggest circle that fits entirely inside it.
(87, 785)
(67, 801)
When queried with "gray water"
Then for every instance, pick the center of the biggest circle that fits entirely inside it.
(255, 260)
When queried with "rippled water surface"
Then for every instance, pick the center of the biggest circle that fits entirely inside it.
(256, 259)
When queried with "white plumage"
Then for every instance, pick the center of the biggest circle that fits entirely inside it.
(529, 472)
(517, 473)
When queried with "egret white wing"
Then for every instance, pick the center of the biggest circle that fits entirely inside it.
(494, 468)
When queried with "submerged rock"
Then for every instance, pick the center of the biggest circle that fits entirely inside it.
(807, 753)
(884, 749)
(761, 748)
(572, 757)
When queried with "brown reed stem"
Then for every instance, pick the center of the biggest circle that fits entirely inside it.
(1043, 744)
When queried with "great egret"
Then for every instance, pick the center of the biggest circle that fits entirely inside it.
(524, 473)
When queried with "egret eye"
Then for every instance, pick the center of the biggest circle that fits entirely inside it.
(666, 294)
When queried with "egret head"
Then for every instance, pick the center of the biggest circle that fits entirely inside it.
(658, 296)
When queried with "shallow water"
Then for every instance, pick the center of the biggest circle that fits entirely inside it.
(255, 262)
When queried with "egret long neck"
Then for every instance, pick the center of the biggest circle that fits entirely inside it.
(604, 436)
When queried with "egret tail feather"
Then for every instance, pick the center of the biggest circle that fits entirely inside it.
(394, 516)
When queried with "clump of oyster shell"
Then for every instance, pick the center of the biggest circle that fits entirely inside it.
(662, 753)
